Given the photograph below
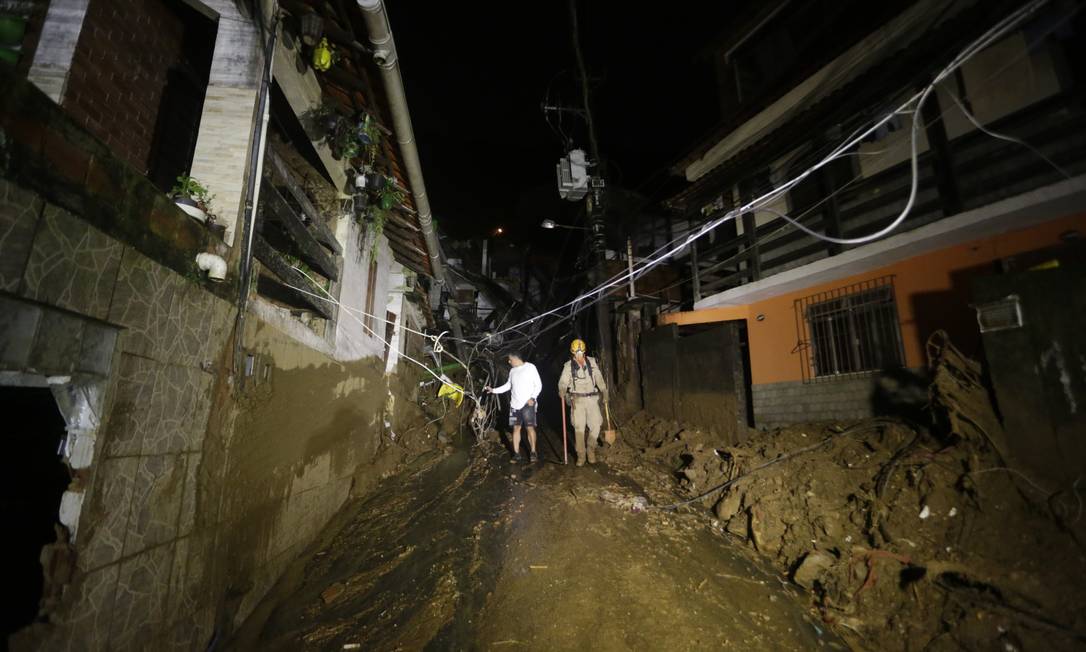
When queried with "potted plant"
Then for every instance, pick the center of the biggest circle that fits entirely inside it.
(348, 139)
(391, 195)
(192, 197)
(367, 131)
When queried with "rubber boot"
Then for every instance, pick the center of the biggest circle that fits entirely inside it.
(580, 461)
(591, 454)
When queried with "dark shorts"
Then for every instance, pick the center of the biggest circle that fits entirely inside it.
(525, 416)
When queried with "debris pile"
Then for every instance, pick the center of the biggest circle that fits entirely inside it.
(908, 536)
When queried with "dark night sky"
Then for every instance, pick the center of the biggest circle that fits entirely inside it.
(476, 75)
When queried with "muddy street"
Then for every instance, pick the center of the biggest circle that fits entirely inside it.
(472, 552)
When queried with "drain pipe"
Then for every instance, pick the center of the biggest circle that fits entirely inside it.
(384, 54)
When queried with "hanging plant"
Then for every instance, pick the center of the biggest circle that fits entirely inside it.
(349, 139)
(367, 131)
(392, 196)
(378, 217)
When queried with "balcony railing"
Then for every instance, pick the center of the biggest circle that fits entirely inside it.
(290, 235)
(980, 170)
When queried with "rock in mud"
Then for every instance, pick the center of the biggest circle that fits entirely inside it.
(812, 568)
(729, 505)
(330, 594)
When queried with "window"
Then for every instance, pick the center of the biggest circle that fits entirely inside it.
(369, 320)
(849, 330)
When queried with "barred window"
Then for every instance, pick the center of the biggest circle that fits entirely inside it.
(853, 329)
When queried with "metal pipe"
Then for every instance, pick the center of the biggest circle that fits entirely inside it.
(252, 186)
(384, 54)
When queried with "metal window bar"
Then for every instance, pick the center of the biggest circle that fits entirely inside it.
(849, 331)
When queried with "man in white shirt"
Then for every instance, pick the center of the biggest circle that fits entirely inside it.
(524, 386)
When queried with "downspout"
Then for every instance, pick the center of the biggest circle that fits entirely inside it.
(384, 54)
(252, 186)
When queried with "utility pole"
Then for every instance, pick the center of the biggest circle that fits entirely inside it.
(596, 210)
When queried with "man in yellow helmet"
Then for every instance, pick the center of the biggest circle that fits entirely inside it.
(582, 384)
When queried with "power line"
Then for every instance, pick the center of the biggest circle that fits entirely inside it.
(912, 104)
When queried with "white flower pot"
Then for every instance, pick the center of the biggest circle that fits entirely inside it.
(190, 208)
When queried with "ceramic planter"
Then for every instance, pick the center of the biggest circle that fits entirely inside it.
(191, 208)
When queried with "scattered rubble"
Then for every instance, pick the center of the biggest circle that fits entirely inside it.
(907, 536)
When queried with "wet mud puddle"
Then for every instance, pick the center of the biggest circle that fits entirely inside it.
(476, 553)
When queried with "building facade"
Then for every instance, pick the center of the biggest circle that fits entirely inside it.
(216, 387)
(838, 330)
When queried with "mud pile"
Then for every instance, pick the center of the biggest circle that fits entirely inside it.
(907, 536)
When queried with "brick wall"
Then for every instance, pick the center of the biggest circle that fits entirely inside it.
(119, 71)
(899, 393)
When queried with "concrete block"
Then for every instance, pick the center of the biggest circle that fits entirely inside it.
(58, 343)
(19, 213)
(72, 265)
(18, 325)
(99, 344)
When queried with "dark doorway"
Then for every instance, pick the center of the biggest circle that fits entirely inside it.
(32, 481)
(181, 107)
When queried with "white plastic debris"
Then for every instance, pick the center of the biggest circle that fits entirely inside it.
(953, 511)
(924, 513)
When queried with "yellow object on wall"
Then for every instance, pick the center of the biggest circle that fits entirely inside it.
(322, 56)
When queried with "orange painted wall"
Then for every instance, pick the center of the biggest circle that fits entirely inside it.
(932, 292)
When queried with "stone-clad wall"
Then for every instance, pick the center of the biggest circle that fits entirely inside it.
(196, 493)
(138, 536)
(144, 558)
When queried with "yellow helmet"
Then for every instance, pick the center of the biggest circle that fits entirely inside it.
(577, 346)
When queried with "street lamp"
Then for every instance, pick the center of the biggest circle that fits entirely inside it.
(551, 224)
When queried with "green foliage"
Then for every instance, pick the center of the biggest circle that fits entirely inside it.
(392, 196)
(349, 139)
(186, 186)
(378, 217)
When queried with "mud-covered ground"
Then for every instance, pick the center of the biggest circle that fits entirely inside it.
(472, 552)
(905, 536)
(872, 535)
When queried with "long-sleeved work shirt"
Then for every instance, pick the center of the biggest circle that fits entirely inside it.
(524, 383)
(576, 379)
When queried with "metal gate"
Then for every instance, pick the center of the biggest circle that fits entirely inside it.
(696, 375)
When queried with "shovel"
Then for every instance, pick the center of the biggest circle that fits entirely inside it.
(609, 435)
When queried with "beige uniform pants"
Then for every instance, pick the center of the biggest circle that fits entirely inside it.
(585, 414)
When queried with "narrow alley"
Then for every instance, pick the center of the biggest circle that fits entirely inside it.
(474, 553)
(545, 325)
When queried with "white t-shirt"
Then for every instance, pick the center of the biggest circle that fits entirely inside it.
(525, 383)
